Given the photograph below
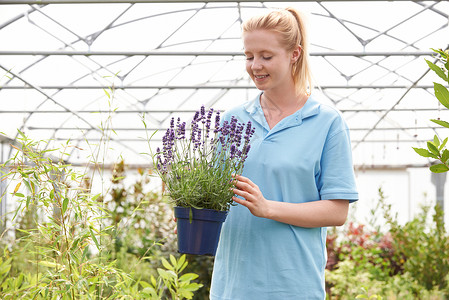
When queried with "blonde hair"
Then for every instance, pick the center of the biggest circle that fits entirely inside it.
(290, 25)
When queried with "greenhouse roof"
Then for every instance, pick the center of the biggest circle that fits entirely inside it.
(93, 72)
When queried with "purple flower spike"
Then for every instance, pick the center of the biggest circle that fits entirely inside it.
(203, 114)
(181, 159)
(232, 151)
(217, 122)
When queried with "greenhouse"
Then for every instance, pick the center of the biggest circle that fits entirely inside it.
(90, 89)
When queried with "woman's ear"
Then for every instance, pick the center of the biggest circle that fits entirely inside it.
(296, 54)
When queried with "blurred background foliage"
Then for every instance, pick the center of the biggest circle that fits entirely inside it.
(136, 234)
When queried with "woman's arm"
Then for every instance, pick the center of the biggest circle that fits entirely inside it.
(310, 214)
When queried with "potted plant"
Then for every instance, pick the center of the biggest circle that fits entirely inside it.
(197, 170)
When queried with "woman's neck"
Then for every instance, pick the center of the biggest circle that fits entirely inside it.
(276, 107)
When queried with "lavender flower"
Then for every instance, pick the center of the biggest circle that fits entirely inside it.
(217, 122)
(197, 169)
(180, 130)
(203, 113)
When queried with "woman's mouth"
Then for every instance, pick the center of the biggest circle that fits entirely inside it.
(260, 77)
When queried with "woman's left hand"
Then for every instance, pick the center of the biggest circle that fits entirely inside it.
(253, 198)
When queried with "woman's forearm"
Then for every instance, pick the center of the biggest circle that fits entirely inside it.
(321, 213)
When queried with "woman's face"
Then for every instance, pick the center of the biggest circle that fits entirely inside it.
(268, 63)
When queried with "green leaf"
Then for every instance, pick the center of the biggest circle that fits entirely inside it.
(193, 286)
(443, 144)
(50, 264)
(153, 281)
(22, 134)
(64, 205)
(433, 149)
(28, 185)
(181, 260)
(424, 152)
(166, 264)
(144, 284)
(440, 168)
(28, 201)
(440, 122)
(445, 156)
(442, 94)
(107, 94)
(74, 244)
(173, 261)
(5, 267)
(188, 277)
(439, 71)
(186, 294)
(94, 238)
(436, 140)
(86, 250)
(163, 273)
(94, 198)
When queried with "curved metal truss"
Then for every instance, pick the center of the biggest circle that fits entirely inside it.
(91, 71)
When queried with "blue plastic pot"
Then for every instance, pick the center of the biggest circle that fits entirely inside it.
(200, 234)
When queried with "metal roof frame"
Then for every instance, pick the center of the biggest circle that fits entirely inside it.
(51, 92)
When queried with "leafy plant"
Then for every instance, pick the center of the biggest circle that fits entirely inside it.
(65, 245)
(437, 148)
(424, 247)
(169, 279)
(198, 170)
(404, 261)
(139, 216)
(69, 224)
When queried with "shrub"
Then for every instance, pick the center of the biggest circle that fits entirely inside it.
(63, 250)
(404, 262)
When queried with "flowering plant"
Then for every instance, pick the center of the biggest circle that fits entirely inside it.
(198, 169)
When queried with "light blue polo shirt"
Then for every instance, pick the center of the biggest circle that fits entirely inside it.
(305, 157)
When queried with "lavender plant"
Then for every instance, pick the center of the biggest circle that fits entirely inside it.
(198, 169)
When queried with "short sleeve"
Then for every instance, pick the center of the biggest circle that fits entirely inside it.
(336, 179)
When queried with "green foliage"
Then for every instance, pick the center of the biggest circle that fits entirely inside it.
(436, 148)
(62, 247)
(170, 278)
(138, 216)
(405, 261)
(141, 217)
(424, 247)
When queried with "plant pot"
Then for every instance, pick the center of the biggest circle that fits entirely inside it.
(198, 230)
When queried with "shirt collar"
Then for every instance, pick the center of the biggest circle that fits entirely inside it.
(310, 108)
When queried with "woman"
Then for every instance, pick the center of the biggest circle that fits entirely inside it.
(298, 177)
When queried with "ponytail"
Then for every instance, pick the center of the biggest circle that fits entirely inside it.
(301, 71)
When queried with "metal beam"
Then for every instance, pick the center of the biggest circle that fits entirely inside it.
(414, 141)
(206, 53)
(156, 111)
(189, 87)
(162, 1)
(188, 129)
(357, 167)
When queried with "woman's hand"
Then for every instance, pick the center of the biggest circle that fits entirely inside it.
(310, 214)
(253, 198)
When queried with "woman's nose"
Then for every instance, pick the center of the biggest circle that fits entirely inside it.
(256, 65)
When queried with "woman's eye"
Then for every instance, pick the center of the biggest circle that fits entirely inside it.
(267, 58)
(249, 58)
